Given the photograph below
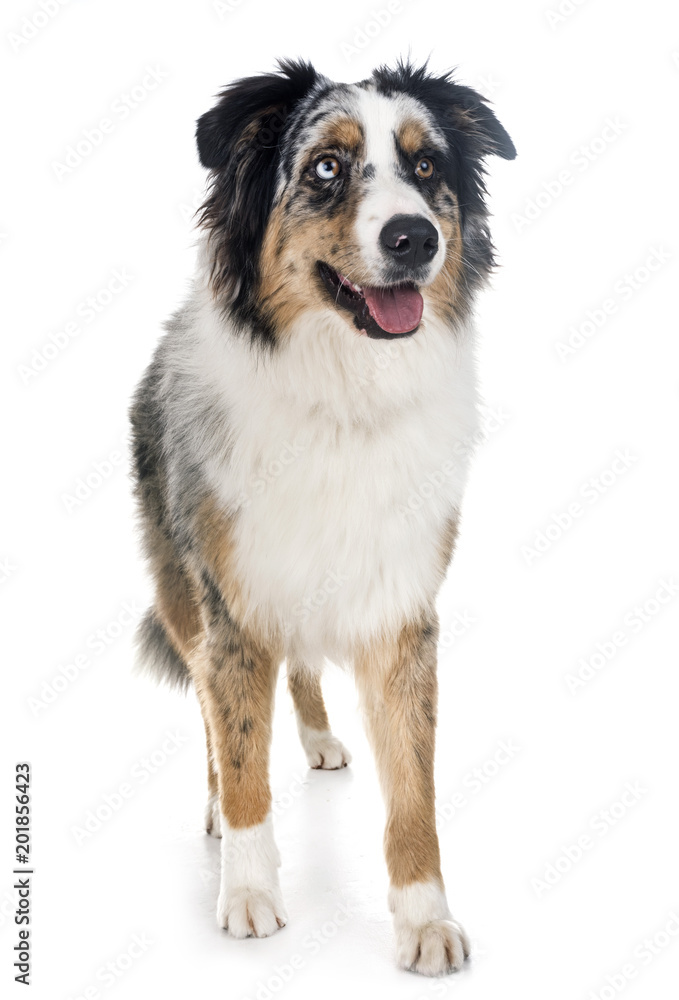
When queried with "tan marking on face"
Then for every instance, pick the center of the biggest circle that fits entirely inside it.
(344, 134)
(412, 136)
(282, 297)
(443, 295)
(297, 237)
(397, 681)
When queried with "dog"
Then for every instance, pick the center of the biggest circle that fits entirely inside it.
(301, 442)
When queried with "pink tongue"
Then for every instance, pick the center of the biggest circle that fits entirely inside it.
(396, 310)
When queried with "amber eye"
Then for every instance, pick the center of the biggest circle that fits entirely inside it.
(425, 168)
(327, 168)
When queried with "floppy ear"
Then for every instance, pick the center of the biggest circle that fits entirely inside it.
(252, 111)
(459, 108)
(239, 141)
(474, 117)
(472, 133)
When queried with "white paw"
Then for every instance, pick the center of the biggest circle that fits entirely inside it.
(432, 949)
(213, 823)
(250, 902)
(248, 912)
(428, 940)
(323, 750)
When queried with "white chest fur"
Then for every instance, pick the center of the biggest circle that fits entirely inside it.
(347, 456)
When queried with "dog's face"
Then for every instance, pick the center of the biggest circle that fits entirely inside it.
(363, 199)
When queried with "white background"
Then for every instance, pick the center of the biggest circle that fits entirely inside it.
(69, 569)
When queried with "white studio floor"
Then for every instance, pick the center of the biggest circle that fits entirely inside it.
(517, 790)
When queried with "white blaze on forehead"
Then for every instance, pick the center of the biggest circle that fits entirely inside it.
(388, 194)
(382, 118)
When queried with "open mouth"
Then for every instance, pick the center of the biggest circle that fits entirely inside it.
(389, 311)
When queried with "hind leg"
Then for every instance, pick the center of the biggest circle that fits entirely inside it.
(213, 824)
(323, 750)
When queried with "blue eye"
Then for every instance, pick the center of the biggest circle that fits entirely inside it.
(327, 168)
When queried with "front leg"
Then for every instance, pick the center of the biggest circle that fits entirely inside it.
(398, 688)
(235, 676)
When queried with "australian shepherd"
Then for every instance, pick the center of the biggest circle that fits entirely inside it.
(319, 374)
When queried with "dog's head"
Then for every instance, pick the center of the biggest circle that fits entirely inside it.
(364, 199)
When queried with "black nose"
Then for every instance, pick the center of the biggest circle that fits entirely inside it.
(409, 240)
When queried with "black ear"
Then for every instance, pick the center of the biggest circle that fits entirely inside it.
(457, 108)
(239, 141)
(252, 111)
(472, 133)
(475, 118)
